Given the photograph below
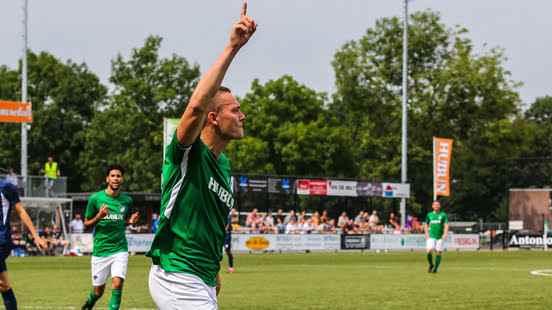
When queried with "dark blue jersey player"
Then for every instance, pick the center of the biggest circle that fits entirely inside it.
(228, 247)
(9, 202)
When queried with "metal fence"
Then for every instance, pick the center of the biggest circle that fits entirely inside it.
(38, 186)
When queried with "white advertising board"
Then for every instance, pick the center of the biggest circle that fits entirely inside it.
(136, 242)
(285, 243)
(342, 188)
(418, 242)
(395, 190)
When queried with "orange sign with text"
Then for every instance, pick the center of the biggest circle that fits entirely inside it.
(16, 112)
(442, 155)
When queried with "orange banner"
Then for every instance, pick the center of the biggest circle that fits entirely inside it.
(15, 112)
(442, 155)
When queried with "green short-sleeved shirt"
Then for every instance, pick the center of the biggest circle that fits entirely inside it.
(436, 223)
(195, 203)
(109, 232)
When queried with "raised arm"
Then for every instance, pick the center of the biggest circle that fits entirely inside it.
(193, 118)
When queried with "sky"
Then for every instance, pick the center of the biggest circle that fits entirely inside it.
(296, 37)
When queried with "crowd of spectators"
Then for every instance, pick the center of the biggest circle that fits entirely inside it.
(25, 246)
(321, 223)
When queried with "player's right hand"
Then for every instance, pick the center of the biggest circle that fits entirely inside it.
(103, 212)
(243, 30)
(41, 243)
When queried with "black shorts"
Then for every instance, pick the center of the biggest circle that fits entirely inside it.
(228, 245)
(4, 254)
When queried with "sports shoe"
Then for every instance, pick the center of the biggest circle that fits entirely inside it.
(430, 269)
(231, 270)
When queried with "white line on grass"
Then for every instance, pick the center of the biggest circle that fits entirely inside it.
(543, 272)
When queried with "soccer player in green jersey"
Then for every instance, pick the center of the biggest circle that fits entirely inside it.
(436, 231)
(196, 189)
(107, 211)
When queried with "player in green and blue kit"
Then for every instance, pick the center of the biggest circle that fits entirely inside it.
(107, 211)
(196, 189)
(436, 231)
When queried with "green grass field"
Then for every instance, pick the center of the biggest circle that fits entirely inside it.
(467, 280)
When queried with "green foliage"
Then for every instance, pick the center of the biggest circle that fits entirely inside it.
(453, 93)
(64, 98)
(292, 132)
(128, 129)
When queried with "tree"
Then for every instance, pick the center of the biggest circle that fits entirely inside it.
(128, 129)
(453, 92)
(64, 96)
(290, 133)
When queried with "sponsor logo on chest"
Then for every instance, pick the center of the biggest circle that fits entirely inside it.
(223, 195)
(113, 217)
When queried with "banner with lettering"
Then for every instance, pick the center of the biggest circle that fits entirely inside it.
(442, 156)
(15, 112)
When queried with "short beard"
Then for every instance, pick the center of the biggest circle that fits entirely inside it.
(113, 188)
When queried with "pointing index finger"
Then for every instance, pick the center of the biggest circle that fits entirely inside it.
(244, 9)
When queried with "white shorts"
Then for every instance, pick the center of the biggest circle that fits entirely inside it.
(434, 244)
(115, 265)
(180, 291)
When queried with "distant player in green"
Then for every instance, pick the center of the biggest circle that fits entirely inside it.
(436, 231)
(107, 211)
(196, 189)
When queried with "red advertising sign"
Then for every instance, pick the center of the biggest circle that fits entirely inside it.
(312, 187)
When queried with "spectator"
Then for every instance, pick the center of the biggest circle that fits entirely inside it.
(342, 220)
(11, 177)
(394, 222)
(253, 220)
(18, 242)
(268, 219)
(302, 215)
(59, 244)
(76, 225)
(280, 226)
(325, 226)
(306, 226)
(292, 227)
(416, 225)
(154, 222)
(30, 247)
(51, 173)
(267, 224)
(374, 219)
(349, 228)
(359, 219)
(47, 235)
(280, 215)
(291, 216)
(316, 222)
(408, 223)
(324, 216)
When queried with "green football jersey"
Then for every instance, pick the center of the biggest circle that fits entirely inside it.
(109, 232)
(436, 223)
(196, 200)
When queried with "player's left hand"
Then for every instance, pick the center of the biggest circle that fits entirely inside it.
(219, 284)
(244, 29)
(41, 243)
(134, 218)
